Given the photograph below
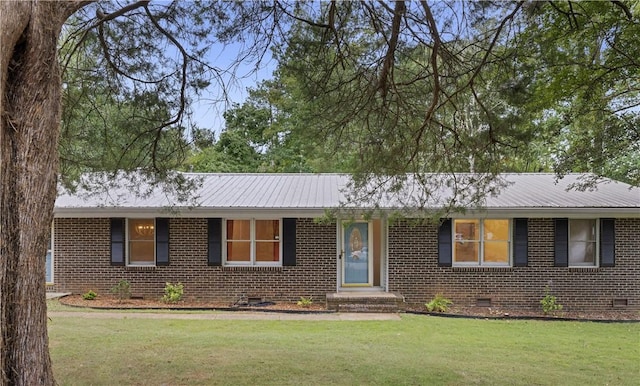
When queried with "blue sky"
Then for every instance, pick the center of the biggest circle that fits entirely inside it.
(209, 109)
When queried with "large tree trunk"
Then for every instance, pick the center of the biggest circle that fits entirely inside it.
(29, 128)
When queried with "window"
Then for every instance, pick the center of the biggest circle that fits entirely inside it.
(481, 242)
(252, 242)
(141, 241)
(49, 260)
(583, 234)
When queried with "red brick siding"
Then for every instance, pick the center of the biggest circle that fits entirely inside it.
(82, 262)
(414, 272)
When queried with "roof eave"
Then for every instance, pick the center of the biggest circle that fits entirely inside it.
(207, 212)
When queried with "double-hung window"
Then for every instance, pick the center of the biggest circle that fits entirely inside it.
(252, 242)
(483, 242)
(141, 242)
(583, 237)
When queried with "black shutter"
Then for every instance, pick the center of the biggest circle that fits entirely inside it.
(117, 241)
(289, 241)
(561, 242)
(607, 242)
(520, 242)
(214, 239)
(444, 244)
(162, 241)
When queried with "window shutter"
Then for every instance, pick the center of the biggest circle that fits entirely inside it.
(444, 244)
(162, 241)
(117, 241)
(214, 240)
(289, 241)
(607, 242)
(561, 242)
(520, 242)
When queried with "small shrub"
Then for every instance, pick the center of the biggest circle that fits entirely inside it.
(305, 302)
(122, 290)
(89, 295)
(549, 302)
(173, 293)
(439, 304)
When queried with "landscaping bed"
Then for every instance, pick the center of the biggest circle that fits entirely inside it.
(112, 302)
(502, 313)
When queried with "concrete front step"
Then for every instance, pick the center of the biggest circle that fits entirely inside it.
(365, 302)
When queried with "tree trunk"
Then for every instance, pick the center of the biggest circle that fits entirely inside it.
(29, 129)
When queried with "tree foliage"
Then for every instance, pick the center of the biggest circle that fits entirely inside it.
(449, 87)
(379, 89)
(584, 82)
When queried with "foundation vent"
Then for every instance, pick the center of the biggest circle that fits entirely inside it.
(620, 302)
(483, 302)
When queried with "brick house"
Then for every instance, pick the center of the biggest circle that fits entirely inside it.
(257, 236)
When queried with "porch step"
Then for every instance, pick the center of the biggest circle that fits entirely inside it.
(365, 302)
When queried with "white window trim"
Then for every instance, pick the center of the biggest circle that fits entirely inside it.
(252, 235)
(480, 242)
(596, 263)
(127, 245)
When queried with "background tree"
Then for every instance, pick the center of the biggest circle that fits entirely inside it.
(410, 88)
(579, 63)
(262, 135)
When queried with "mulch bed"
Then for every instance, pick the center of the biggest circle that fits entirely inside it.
(111, 302)
(500, 313)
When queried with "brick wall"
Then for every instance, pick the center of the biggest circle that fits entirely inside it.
(82, 262)
(414, 272)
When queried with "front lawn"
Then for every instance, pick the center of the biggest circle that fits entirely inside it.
(417, 350)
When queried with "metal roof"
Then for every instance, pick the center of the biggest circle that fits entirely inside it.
(311, 194)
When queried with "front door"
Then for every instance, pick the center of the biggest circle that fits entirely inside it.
(357, 255)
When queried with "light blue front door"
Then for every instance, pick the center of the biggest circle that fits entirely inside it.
(356, 256)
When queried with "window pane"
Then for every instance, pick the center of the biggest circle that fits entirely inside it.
(238, 229)
(582, 230)
(238, 251)
(141, 252)
(496, 230)
(267, 251)
(49, 267)
(582, 253)
(49, 262)
(467, 229)
(141, 229)
(496, 252)
(466, 243)
(267, 230)
(466, 251)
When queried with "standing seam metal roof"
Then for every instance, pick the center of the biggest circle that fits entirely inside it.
(321, 191)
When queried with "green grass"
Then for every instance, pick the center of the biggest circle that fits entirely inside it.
(417, 350)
